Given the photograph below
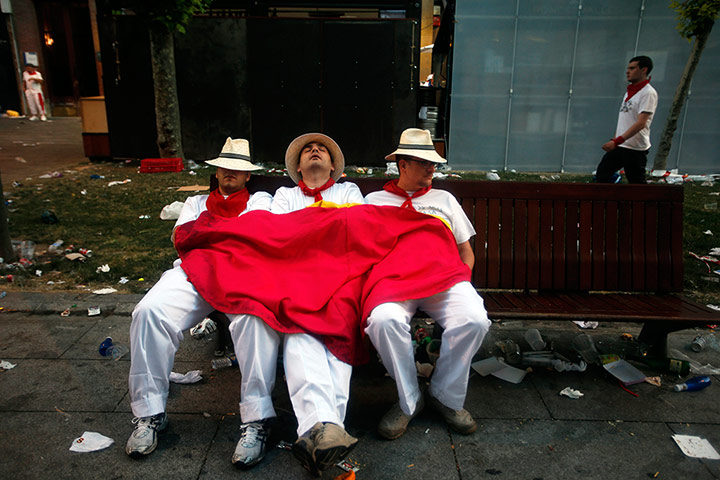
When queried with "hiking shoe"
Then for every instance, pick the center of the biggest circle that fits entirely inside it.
(144, 438)
(202, 329)
(459, 420)
(332, 444)
(394, 423)
(251, 446)
(303, 449)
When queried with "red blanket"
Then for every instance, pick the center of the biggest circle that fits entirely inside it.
(319, 270)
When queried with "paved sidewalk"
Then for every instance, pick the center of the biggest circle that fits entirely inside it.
(62, 387)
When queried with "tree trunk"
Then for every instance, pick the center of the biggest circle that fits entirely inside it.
(167, 110)
(660, 162)
(6, 250)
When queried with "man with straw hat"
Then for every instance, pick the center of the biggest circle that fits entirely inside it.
(174, 305)
(459, 310)
(318, 382)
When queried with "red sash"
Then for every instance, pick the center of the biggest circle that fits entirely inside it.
(633, 88)
(315, 192)
(232, 206)
(392, 187)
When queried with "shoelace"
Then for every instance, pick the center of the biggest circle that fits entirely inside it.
(250, 434)
(147, 422)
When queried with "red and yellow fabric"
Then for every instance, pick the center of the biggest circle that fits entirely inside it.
(319, 270)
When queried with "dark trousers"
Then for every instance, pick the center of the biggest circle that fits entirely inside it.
(633, 161)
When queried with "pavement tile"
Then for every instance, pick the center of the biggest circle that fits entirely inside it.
(46, 438)
(37, 336)
(535, 449)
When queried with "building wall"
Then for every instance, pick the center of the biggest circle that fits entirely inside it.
(536, 85)
(27, 35)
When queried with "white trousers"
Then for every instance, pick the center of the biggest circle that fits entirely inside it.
(461, 312)
(36, 102)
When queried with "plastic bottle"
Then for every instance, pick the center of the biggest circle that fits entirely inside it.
(218, 363)
(55, 247)
(693, 384)
(112, 350)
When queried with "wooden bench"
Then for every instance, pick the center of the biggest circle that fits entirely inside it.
(573, 251)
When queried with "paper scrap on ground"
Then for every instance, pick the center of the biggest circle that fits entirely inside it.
(493, 366)
(625, 372)
(583, 324)
(192, 376)
(103, 268)
(91, 442)
(569, 392)
(5, 365)
(76, 256)
(193, 188)
(424, 369)
(104, 291)
(696, 447)
(111, 184)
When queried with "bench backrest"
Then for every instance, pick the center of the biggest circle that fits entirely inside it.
(564, 236)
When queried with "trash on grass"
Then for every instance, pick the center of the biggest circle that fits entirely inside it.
(75, 256)
(123, 280)
(193, 376)
(65, 313)
(492, 176)
(392, 169)
(569, 392)
(93, 310)
(104, 291)
(116, 182)
(625, 372)
(5, 365)
(696, 447)
(144, 217)
(172, 211)
(91, 442)
(38, 273)
(103, 268)
(708, 232)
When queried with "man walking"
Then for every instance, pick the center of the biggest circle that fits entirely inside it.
(174, 305)
(630, 146)
(459, 310)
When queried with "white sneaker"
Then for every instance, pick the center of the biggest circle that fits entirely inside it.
(32, 118)
(206, 327)
(144, 438)
(43, 118)
(251, 446)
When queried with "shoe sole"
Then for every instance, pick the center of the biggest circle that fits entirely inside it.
(245, 466)
(330, 457)
(306, 460)
(389, 436)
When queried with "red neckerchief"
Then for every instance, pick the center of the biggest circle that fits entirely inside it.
(392, 187)
(32, 73)
(232, 206)
(315, 192)
(633, 88)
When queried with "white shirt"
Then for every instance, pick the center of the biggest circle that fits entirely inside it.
(644, 101)
(435, 202)
(290, 199)
(33, 86)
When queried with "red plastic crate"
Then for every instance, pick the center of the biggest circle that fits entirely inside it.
(155, 165)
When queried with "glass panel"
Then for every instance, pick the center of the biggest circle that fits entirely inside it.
(549, 8)
(700, 139)
(537, 128)
(477, 140)
(484, 8)
(591, 124)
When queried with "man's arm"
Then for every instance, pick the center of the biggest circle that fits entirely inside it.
(634, 128)
(466, 254)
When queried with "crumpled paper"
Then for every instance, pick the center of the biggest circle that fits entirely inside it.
(90, 442)
(5, 365)
(569, 392)
(104, 291)
(192, 376)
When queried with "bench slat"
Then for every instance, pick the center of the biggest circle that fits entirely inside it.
(598, 245)
(611, 245)
(533, 245)
(546, 251)
(638, 246)
(520, 245)
(625, 257)
(506, 243)
(558, 240)
(572, 246)
(481, 227)
(493, 241)
(585, 245)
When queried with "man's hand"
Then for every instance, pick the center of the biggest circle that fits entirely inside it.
(608, 146)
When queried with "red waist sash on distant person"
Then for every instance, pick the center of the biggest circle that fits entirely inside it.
(319, 270)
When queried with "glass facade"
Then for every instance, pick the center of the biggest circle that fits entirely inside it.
(536, 85)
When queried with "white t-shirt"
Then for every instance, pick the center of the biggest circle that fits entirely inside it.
(435, 202)
(290, 199)
(33, 86)
(644, 101)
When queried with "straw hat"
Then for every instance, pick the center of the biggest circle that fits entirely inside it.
(292, 155)
(235, 155)
(415, 142)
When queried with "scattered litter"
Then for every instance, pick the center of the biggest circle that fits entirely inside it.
(76, 256)
(202, 329)
(348, 467)
(627, 337)
(569, 392)
(20, 159)
(116, 182)
(714, 307)
(109, 349)
(65, 313)
(625, 372)
(692, 385)
(657, 381)
(103, 268)
(38, 273)
(193, 188)
(123, 280)
(710, 206)
(192, 376)
(3, 294)
(5, 365)
(93, 310)
(427, 430)
(104, 291)
(83, 192)
(588, 324)
(585, 346)
(192, 173)
(440, 175)
(283, 445)
(144, 217)
(708, 232)
(95, 176)
(534, 339)
(497, 368)
(172, 211)
(91, 442)
(55, 247)
(696, 447)
(492, 176)
(206, 415)
(424, 369)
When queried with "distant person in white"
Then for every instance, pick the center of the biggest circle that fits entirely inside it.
(32, 82)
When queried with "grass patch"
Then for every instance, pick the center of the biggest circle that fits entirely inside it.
(106, 219)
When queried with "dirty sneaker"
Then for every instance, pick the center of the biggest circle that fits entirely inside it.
(144, 438)
(459, 420)
(206, 327)
(332, 444)
(303, 449)
(394, 423)
(251, 446)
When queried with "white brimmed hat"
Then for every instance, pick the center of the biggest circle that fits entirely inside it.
(235, 155)
(415, 142)
(292, 155)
